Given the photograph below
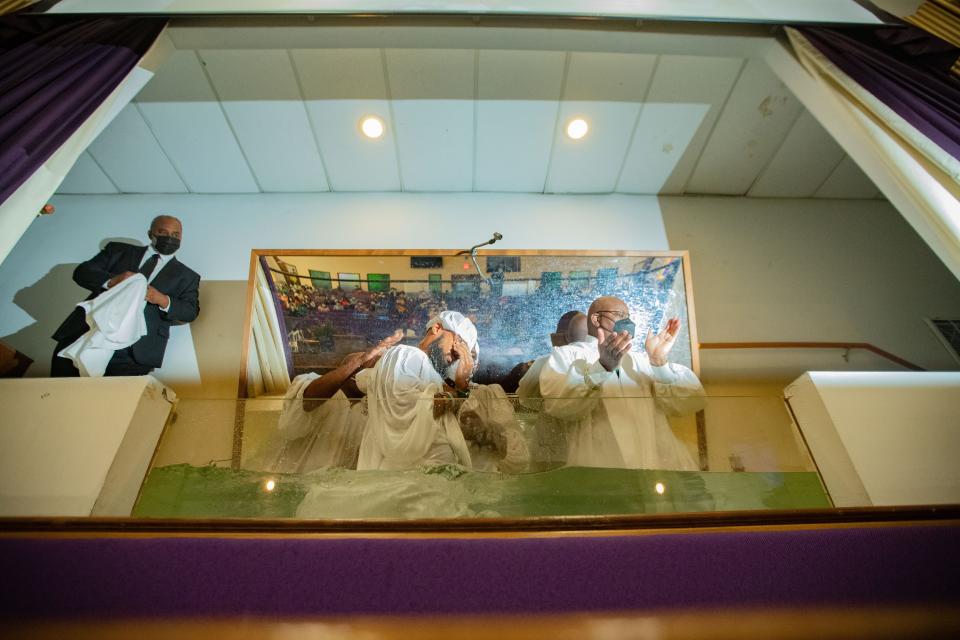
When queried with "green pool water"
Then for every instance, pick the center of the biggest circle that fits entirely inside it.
(184, 491)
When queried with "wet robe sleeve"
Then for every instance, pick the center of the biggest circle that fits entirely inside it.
(317, 435)
(677, 390)
(488, 414)
(571, 386)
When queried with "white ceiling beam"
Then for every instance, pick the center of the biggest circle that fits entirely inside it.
(869, 154)
(737, 41)
(833, 11)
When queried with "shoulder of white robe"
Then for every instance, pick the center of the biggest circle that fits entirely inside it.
(577, 351)
(300, 383)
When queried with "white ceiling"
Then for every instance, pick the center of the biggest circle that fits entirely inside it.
(777, 11)
(234, 120)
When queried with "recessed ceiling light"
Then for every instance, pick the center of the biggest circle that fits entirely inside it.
(577, 128)
(372, 127)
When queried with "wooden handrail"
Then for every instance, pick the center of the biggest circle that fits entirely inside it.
(866, 346)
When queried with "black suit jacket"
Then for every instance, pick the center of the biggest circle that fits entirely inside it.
(175, 280)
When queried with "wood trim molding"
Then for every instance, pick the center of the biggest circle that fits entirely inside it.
(546, 525)
(247, 325)
(866, 346)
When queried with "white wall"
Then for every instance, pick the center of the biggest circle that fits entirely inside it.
(810, 270)
(763, 270)
(220, 231)
(77, 447)
(882, 438)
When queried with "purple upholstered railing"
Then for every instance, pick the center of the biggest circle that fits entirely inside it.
(173, 577)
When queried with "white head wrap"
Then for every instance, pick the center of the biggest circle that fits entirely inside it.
(460, 325)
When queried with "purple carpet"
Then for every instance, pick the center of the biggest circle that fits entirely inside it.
(294, 577)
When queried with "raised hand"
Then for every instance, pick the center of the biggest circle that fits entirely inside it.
(465, 362)
(659, 345)
(329, 383)
(370, 356)
(613, 347)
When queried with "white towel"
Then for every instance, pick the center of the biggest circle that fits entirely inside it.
(116, 321)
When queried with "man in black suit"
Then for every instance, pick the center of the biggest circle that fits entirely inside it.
(173, 297)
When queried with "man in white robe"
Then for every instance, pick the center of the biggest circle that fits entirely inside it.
(571, 328)
(410, 421)
(615, 402)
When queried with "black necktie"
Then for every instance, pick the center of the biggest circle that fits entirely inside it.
(147, 267)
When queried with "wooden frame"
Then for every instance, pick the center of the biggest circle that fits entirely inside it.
(255, 255)
(542, 526)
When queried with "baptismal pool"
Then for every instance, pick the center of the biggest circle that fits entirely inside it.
(750, 455)
(184, 491)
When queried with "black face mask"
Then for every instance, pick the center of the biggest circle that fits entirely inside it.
(165, 245)
(437, 358)
(627, 325)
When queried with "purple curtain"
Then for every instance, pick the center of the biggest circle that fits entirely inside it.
(54, 73)
(904, 67)
(287, 354)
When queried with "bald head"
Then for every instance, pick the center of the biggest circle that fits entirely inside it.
(165, 222)
(604, 313)
(577, 329)
(572, 327)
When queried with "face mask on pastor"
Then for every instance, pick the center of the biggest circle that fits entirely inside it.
(165, 245)
(626, 324)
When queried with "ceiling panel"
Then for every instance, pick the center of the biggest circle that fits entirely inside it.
(340, 87)
(615, 77)
(132, 158)
(433, 108)
(86, 177)
(803, 162)
(188, 121)
(591, 164)
(684, 101)
(261, 97)
(755, 121)
(663, 134)
(235, 120)
(617, 85)
(518, 95)
(847, 181)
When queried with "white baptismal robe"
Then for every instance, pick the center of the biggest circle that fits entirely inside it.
(402, 432)
(488, 413)
(619, 418)
(528, 389)
(312, 433)
(116, 321)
